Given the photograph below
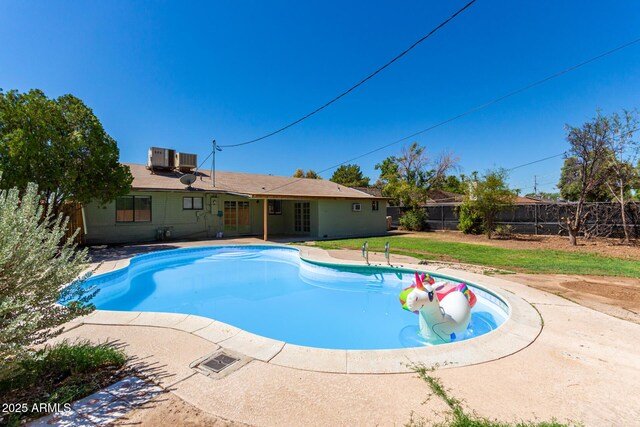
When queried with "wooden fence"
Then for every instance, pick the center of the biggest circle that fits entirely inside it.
(74, 212)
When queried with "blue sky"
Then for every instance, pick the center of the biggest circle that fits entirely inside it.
(177, 74)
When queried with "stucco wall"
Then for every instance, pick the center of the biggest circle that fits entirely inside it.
(337, 219)
(332, 218)
(166, 211)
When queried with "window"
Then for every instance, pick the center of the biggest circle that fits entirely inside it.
(133, 209)
(191, 203)
(356, 207)
(375, 205)
(275, 207)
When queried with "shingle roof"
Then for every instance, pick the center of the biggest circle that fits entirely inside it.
(526, 200)
(441, 196)
(248, 184)
(373, 191)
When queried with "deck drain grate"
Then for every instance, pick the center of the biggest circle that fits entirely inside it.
(219, 362)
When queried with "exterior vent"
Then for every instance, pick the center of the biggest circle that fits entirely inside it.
(160, 158)
(185, 161)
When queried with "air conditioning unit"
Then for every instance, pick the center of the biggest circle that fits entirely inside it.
(160, 158)
(186, 161)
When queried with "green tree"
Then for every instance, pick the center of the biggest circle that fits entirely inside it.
(453, 183)
(311, 174)
(350, 176)
(620, 174)
(60, 145)
(570, 183)
(590, 155)
(408, 178)
(487, 197)
(36, 265)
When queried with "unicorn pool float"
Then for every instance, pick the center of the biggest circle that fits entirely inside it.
(444, 311)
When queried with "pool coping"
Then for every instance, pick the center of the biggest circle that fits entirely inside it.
(521, 329)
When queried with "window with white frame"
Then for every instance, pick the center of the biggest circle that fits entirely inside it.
(192, 203)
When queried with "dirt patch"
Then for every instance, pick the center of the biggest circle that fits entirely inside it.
(616, 296)
(610, 247)
(169, 410)
(626, 296)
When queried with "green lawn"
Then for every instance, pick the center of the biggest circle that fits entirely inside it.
(521, 260)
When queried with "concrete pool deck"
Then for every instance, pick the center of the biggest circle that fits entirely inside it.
(580, 365)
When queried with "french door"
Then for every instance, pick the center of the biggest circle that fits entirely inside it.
(302, 217)
(237, 217)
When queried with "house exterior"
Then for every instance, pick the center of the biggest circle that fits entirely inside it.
(161, 207)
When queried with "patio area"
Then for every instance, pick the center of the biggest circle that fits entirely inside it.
(577, 365)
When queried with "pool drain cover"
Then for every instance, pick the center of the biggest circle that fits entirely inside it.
(219, 362)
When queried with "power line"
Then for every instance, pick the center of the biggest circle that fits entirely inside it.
(480, 107)
(536, 161)
(369, 77)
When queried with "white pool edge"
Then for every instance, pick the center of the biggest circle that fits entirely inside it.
(521, 329)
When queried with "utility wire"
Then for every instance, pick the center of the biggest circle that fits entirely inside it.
(494, 101)
(474, 109)
(480, 107)
(363, 81)
(536, 161)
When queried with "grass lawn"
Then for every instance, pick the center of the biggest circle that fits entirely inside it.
(520, 260)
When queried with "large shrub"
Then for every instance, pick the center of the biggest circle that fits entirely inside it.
(57, 375)
(414, 220)
(469, 220)
(36, 262)
(488, 196)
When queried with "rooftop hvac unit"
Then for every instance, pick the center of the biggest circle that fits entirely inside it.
(160, 158)
(185, 161)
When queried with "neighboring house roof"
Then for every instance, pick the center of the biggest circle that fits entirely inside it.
(245, 184)
(372, 191)
(526, 200)
(440, 196)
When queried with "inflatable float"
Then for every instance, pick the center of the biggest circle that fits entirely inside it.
(444, 312)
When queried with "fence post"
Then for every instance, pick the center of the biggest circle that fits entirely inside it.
(442, 216)
(535, 215)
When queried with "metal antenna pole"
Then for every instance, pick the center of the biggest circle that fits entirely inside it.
(213, 164)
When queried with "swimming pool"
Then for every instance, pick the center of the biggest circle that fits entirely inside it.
(270, 291)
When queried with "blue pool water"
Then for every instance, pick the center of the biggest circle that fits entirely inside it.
(270, 291)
